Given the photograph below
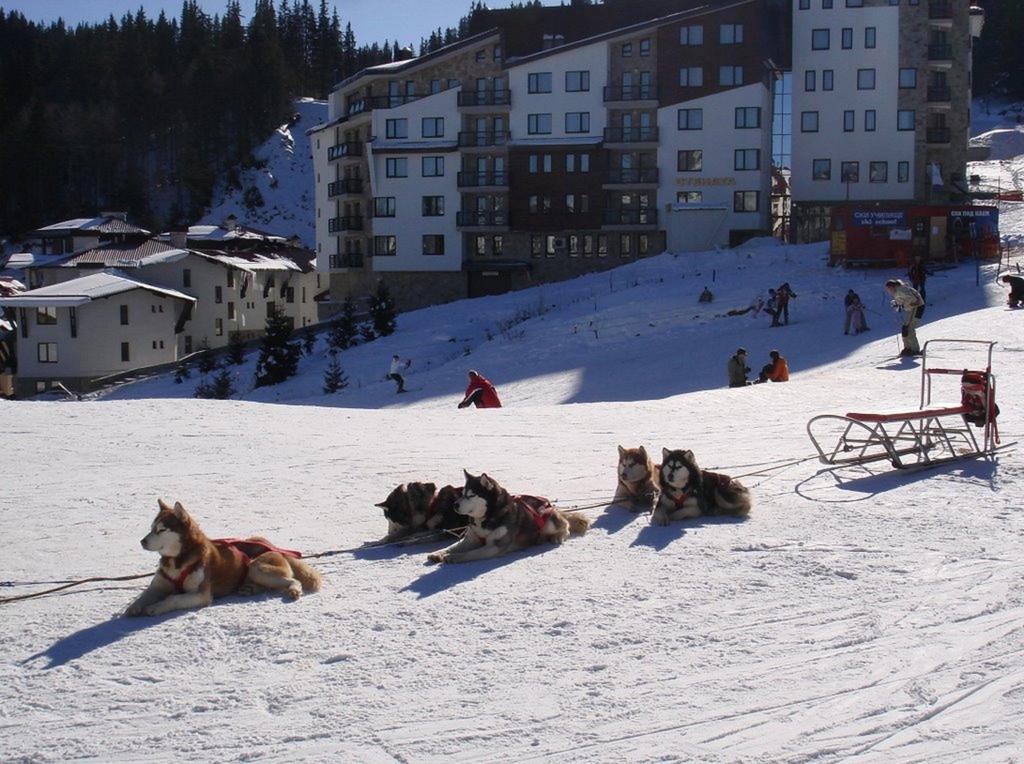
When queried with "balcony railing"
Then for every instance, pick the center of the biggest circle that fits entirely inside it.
(939, 94)
(350, 149)
(630, 134)
(630, 217)
(348, 260)
(472, 219)
(940, 10)
(349, 223)
(369, 103)
(630, 93)
(485, 98)
(477, 179)
(942, 52)
(345, 186)
(475, 138)
(937, 134)
(633, 175)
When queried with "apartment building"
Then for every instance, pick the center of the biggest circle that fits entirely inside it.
(881, 104)
(464, 172)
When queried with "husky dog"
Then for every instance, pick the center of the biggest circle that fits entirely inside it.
(194, 570)
(500, 523)
(415, 507)
(637, 489)
(688, 491)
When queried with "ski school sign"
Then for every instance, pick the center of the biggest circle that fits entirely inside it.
(885, 218)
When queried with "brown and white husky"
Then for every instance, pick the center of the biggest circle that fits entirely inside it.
(194, 570)
(688, 491)
(637, 488)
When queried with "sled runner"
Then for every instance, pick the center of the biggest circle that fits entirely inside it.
(930, 435)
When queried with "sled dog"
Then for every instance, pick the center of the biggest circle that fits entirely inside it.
(637, 490)
(688, 491)
(413, 507)
(194, 570)
(500, 523)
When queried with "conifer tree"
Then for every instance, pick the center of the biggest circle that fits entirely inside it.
(279, 355)
(382, 310)
(343, 329)
(236, 349)
(334, 377)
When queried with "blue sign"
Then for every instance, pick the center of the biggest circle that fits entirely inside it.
(889, 218)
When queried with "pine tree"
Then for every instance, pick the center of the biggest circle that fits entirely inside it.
(220, 388)
(382, 310)
(342, 333)
(236, 349)
(279, 356)
(334, 377)
(207, 362)
(308, 340)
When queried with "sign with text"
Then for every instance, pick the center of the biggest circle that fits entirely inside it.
(889, 218)
(698, 181)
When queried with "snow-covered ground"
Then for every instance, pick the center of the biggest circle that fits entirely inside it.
(862, 614)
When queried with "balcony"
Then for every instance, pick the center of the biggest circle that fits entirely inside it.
(345, 186)
(482, 219)
(481, 179)
(632, 176)
(631, 135)
(942, 53)
(348, 260)
(630, 93)
(350, 150)
(475, 139)
(937, 135)
(622, 217)
(485, 98)
(940, 10)
(366, 104)
(939, 94)
(349, 223)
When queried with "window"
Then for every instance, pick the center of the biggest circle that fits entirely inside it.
(905, 119)
(480, 246)
(433, 206)
(870, 37)
(396, 167)
(865, 79)
(748, 117)
(691, 119)
(691, 35)
(231, 311)
(847, 41)
(570, 163)
(805, 5)
(497, 246)
(809, 122)
(432, 167)
(218, 329)
(397, 128)
(549, 245)
(627, 49)
(545, 163)
(48, 316)
(730, 34)
(433, 244)
(538, 82)
(588, 245)
(850, 172)
(584, 162)
(534, 164)
(497, 54)
(908, 78)
(73, 320)
(860, 3)
(821, 169)
(577, 122)
(849, 118)
(570, 203)
(289, 294)
(433, 127)
(870, 118)
(691, 77)
(231, 281)
(689, 197)
(826, 5)
(820, 39)
(902, 172)
(827, 79)
(218, 296)
(810, 80)
(691, 160)
(481, 55)
(645, 47)
(124, 315)
(602, 245)
(385, 246)
(186, 277)
(625, 245)
(435, 86)
(577, 82)
(643, 244)
(538, 124)
(536, 245)
(574, 245)
(383, 206)
(46, 352)
(747, 159)
(730, 75)
(878, 172)
(745, 201)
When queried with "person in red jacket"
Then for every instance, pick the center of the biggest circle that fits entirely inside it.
(480, 393)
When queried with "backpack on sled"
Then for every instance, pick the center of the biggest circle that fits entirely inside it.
(979, 397)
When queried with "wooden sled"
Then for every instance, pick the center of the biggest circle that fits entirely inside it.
(931, 435)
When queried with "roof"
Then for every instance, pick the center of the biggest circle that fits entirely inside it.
(122, 255)
(101, 224)
(292, 259)
(217, 233)
(10, 286)
(83, 290)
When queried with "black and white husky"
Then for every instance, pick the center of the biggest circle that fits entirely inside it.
(499, 523)
(688, 491)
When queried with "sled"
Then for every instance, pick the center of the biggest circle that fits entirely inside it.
(928, 436)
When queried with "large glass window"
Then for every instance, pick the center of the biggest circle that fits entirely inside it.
(821, 169)
(538, 82)
(745, 201)
(396, 167)
(576, 82)
(820, 39)
(577, 122)
(432, 167)
(748, 117)
(730, 34)
(691, 35)
(385, 246)
(433, 127)
(691, 77)
(383, 206)
(538, 124)
(747, 159)
(691, 119)
(690, 160)
(397, 128)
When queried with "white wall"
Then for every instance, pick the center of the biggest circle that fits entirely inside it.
(323, 174)
(831, 142)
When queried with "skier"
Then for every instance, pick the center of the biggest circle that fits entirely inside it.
(854, 314)
(918, 273)
(397, 367)
(706, 296)
(905, 298)
(480, 393)
(776, 370)
(737, 369)
(784, 294)
(772, 307)
(1016, 297)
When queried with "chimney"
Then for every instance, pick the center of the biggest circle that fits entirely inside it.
(406, 54)
(122, 216)
(179, 237)
(230, 223)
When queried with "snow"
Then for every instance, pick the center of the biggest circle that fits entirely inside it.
(1004, 170)
(863, 614)
(1004, 143)
(95, 286)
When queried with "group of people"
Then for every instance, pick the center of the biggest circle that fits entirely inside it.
(777, 305)
(480, 392)
(776, 370)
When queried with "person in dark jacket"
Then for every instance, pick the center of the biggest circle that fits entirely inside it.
(918, 274)
(784, 294)
(737, 369)
(1016, 297)
(854, 314)
(772, 307)
(480, 393)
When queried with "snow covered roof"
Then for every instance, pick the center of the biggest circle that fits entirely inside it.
(301, 260)
(100, 224)
(217, 233)
(21, 260)
(86, 289)
(10, 286)
(123, 255)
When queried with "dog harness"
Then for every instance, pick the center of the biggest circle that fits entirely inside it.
(685, 496)
(537, 507)
(244, 550)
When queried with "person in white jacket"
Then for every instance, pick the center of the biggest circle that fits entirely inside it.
(907, 299)
(397, 367)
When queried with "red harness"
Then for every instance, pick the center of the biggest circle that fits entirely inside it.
(683, 498)
(537, 507)
(244, 551)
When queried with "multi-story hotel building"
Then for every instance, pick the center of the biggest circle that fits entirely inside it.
(465, 172)
(881, 103)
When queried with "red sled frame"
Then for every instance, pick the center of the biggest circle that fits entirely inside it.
(913, 439)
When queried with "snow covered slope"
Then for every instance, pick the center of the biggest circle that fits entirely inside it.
(861, 614)
(282, 179)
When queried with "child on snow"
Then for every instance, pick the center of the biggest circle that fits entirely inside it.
(854, 314)
(776, 370)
